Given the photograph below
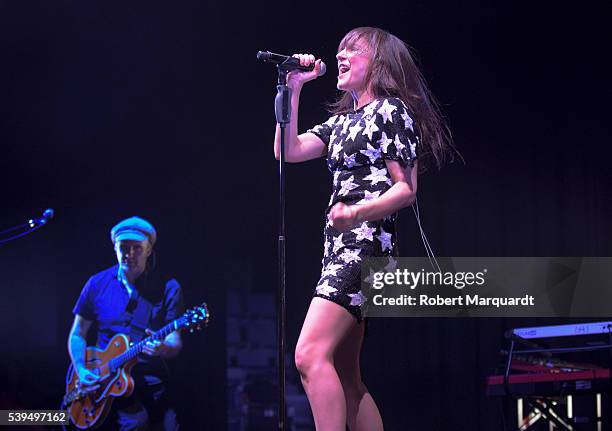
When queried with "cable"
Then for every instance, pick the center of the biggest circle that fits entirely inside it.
(36, 227)
(430, 254)
(19, 226)
(415, 209)
(31, 226)
(62, 405)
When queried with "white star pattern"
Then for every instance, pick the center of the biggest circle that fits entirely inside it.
(349, 161)
(336, 151)
(391, 265)
(351, 255)
(331, 199)
(412, 149)
(369, 109)
(370, 128)
(384, 142)
(347, 186)
(345, 126)
(385, 240)
(407, 121)
(372, 153)
(368, 197)
(354, 130)
(331, 121)
(364, 232)
(325, 289)
(333, 136)
(336, 176)
(386, 110)
(357, 298)
(399, 145)
(378, 176)
(326, 248)
(338, 244)
(331, 269)
(370, 278)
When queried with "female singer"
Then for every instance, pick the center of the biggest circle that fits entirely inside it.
(384, 117)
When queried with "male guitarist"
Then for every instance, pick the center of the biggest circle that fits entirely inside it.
(130, 298)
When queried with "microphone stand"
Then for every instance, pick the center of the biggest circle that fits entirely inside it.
(282, 109)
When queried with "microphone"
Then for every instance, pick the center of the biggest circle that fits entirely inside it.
(46, 216)
(288, 63)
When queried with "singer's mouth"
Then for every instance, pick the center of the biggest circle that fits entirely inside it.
(343, 68)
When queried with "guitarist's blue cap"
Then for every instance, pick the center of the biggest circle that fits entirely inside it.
(134, 228)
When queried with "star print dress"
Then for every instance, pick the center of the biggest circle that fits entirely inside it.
(358, 144)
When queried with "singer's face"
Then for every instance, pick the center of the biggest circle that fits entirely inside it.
(132, 256)
(353, 63)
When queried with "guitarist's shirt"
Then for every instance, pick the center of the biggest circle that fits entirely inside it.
(154, 302)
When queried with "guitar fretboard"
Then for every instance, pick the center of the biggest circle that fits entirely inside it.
(137, 348)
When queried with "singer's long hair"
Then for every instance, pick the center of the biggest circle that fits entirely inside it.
(394, 73)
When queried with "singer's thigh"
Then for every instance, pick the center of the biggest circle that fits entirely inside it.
(326, 325)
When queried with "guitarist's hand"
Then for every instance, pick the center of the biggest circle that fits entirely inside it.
(153, 347)
(87, 380)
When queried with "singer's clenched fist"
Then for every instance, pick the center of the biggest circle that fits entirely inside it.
(343, 217)
(297, 78)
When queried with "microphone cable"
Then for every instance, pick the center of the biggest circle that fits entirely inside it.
(430, 254)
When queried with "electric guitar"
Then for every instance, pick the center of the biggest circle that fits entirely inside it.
(114, 365)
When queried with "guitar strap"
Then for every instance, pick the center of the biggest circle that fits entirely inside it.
(139, 317)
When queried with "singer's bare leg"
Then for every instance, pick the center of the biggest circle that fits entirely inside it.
(326, 329)
(361, 411)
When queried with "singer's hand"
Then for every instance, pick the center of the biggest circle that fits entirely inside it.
(343, 217)
(296, 78)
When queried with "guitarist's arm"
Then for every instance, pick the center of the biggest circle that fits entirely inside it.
(171, 344)
(77, 347)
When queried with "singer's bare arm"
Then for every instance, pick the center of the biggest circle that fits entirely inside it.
(401, 194)
(306, 146)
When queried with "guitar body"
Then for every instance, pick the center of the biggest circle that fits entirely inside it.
(90, 410)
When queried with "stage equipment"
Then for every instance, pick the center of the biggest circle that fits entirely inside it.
(288, 63)
(28, 227)
(282, 109)
(570, 395)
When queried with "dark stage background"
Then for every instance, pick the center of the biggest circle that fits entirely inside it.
(110, 109)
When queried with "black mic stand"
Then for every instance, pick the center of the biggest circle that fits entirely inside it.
(282, 109)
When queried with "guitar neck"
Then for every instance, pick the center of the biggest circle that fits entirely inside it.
(137, 348)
